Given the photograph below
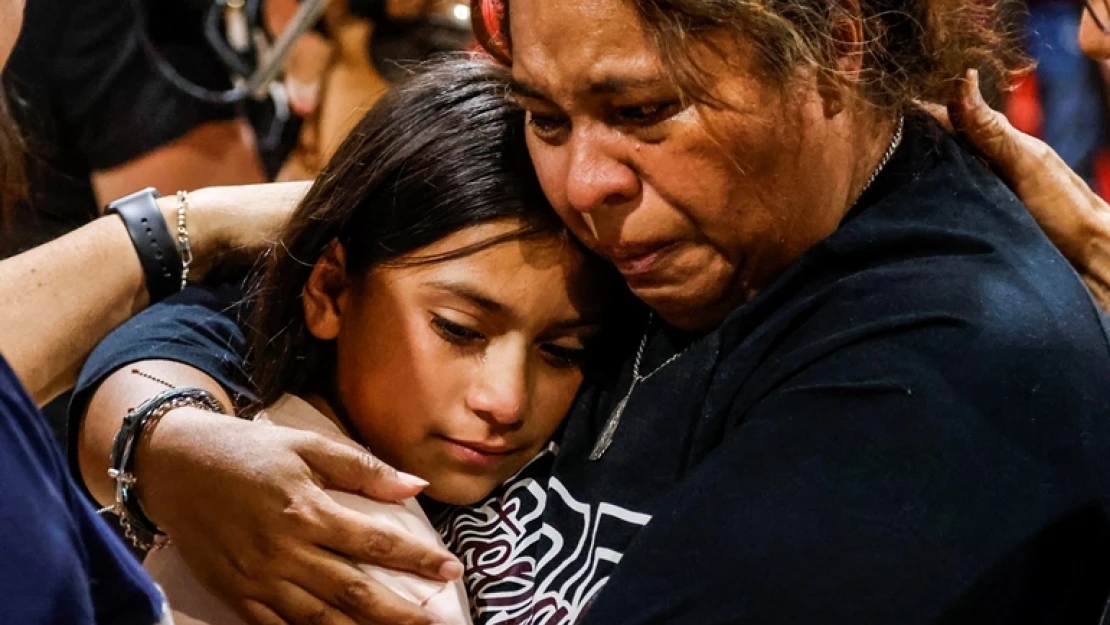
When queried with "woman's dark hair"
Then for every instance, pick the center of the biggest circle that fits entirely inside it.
(440, 152)
(912, 49)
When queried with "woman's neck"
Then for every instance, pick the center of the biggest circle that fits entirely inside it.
(878, 134)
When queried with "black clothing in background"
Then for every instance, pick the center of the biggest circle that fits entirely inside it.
(88, 98)
(910, 425)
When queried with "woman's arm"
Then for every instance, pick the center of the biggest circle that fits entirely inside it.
(245, 505)
(244, 502)
(59, 299)
(1074, 217)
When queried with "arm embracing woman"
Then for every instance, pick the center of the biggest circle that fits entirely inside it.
(244, 501)
(1071, 214)
(66, 295)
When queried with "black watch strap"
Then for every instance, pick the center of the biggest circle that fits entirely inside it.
(157, 250)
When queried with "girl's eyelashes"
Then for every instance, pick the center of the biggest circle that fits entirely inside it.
(564, 357)
(455, 333)
(559, 356)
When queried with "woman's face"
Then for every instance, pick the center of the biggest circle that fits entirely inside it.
(697, 208)
(460, 371)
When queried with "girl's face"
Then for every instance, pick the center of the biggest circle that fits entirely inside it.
(459, 371)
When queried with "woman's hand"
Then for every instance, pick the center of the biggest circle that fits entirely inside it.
(245, 505)
(1075, 218)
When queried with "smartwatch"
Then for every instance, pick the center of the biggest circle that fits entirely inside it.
(156, 247)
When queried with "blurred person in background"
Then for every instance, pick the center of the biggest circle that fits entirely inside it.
(61, 564)
(102, 118)
(1069, 85)
(360, 46)
(100, 121)
(89, 85)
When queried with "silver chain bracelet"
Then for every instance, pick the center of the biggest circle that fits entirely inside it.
(183, 236)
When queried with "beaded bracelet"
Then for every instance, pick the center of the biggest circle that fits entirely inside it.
(137, 527)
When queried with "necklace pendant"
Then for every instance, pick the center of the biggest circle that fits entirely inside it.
(610, 429)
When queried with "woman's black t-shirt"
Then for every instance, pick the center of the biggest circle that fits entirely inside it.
(910, 425)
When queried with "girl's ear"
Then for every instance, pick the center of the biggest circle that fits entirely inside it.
(325, 293)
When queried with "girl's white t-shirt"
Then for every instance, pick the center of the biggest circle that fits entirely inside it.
(193, 605)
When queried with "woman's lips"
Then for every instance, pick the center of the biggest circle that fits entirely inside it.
(639, 260)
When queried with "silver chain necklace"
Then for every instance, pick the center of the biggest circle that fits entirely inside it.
(610, 429)
(890, 150)
(605, 439)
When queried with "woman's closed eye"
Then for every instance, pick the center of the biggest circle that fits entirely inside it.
(645, 115)
(455, 333)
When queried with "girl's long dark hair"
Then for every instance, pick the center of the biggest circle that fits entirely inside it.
(13, 180)
(441, 152)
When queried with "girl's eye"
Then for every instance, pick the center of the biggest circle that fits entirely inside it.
(455, 333)
(648, 115)
(564, 357)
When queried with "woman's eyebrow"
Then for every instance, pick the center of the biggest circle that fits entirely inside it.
(520, 89)
(604, 85)
(612, 85)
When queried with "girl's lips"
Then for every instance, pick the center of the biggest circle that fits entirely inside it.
(478, 454)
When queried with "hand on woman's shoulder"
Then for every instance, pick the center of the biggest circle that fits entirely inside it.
(1074, 217)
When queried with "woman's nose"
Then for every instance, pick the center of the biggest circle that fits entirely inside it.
(500, 390)
(598, 177)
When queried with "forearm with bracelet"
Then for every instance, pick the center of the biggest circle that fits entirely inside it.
(137, 526)
(165, 262)
(164, 259)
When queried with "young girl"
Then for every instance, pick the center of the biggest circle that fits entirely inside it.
(425, 302)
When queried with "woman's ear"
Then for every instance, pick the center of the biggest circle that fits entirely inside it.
(325, 293)
(837, 86)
